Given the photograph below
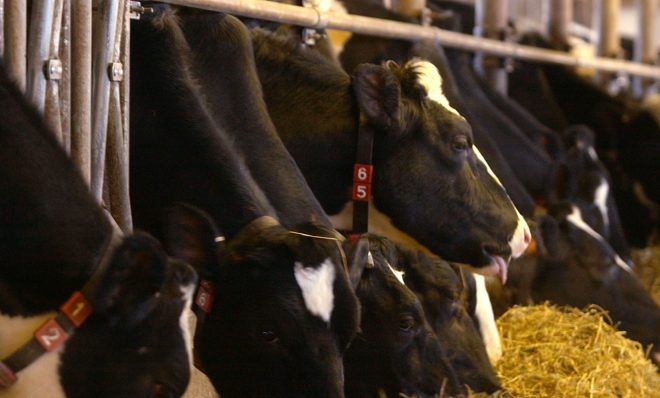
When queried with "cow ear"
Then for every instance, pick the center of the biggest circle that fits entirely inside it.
(132, 281)
(359, 257)
(378, 94)
(191, 236)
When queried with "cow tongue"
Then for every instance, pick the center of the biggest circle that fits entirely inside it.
(501, 267)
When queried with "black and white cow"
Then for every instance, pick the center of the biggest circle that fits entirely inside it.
(284, 311)
(361, 48)
(396, 352)
(429, 179)
(448, 298)
(132, 339)
(582, 179)
(575, 266)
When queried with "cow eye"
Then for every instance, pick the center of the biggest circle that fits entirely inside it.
(460, 144)
(269, 336)
(406, 323)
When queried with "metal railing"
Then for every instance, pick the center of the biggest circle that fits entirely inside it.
(309, 17)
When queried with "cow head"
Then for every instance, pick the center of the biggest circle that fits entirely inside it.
(449, 296)
(396, 352)
(284, 312)
(575, 266)
(429, 178)
(582, 179)
(138, 342)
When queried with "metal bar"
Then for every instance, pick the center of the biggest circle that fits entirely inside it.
(116, 176)
(557, 16)
(285, 13)
(2, 27)
(125, 59)
(490, 22)
(41, 26)
(103, 50)
(16, 40)
(645, 45)
(607, 26)
(52, 93)
(81, 90)
(65, 81)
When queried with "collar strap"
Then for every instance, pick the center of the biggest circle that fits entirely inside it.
(54, 331)
(362, 176)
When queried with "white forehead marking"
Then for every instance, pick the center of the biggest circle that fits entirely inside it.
(316, 285)
(592, 153)
(487, 326)
(600, 199)
(482, 160)
(397, 274)
(576, 219)
(430, 79)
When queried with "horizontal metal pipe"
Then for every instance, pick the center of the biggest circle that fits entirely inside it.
(308, 17)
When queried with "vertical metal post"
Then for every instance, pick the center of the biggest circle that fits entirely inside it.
(607, 26)
(116, 177)
(2, 27)
(645, 44)
(102, 59)
(557, 15)
(16, 40)
(81, 90)
(491, 22)
(53, 71)
(65, 81)
(41, 26)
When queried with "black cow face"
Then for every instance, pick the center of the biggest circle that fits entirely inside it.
(582, 179)
(577, 267)
(396, 351)
(448, 295)
(430, 179)
(137, 342)
(284, 311)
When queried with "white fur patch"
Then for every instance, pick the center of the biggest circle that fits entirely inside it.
(600, 199)
(517, 242)
(186, 322)
(316, 284)
(430, 79)
(397, 274)
(592, 154)
(479, 156)
(575, 218)
(487, 326)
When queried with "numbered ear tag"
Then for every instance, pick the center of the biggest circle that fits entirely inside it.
(76, 308)
(50, 335)
(7, 376)
(205, 295)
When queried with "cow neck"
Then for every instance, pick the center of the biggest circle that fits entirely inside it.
(70, 316)
(362, 177)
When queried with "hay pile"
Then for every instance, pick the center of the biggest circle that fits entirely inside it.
(550, 351)
(647, 268)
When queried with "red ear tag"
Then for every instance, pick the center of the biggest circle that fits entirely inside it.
(205, 295)
(50, 335)
(7, 376)
(76, 308)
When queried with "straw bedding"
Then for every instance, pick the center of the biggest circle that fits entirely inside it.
(551, 351)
